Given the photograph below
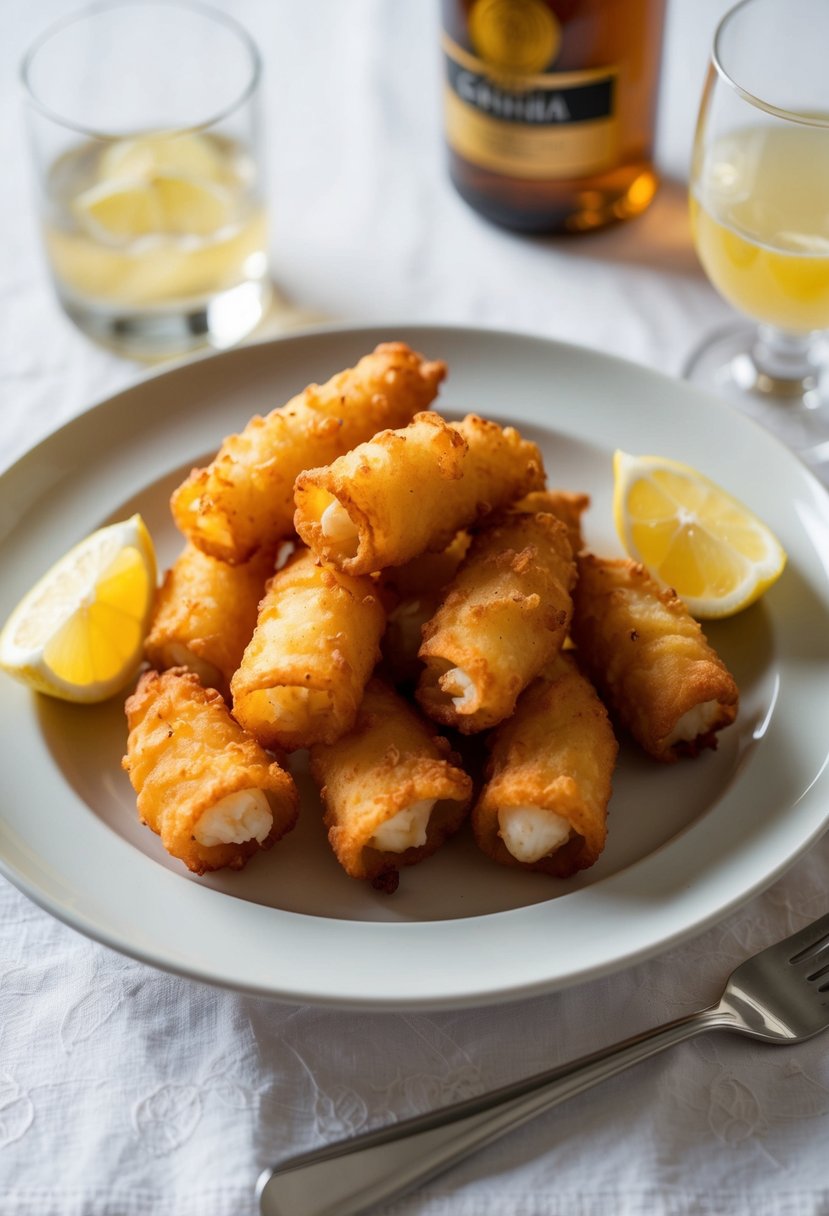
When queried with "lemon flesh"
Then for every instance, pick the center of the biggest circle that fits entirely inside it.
(692, 535)
(163, 205)
(156, 186)
(78, 634)
(145, 155)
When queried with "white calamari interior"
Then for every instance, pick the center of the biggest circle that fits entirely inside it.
(461, 688)
(698, 720)
(531, 832)
(405, 830)
(338, 527)
(236, 818)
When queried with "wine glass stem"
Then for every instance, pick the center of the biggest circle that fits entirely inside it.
(787, 364)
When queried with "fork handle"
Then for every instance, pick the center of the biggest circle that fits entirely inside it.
(348, 1177)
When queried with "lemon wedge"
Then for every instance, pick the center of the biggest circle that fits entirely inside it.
(119, 211)
(157, 186)
(692, 535)
(164, 205)
(146, 155)
(79, 633)
(188, 206)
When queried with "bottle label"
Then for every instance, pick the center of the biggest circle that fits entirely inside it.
(541, 126)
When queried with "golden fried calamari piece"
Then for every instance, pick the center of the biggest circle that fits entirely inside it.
(316, 642)
(203, 783)
(544, 804)
(412, 489)
(650, 659)
(505, 615)
(205, 614)
(392, 789)
(243, 500)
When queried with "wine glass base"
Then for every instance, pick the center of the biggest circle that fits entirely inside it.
(795, 410)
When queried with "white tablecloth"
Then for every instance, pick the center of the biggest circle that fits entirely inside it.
(125, 1090)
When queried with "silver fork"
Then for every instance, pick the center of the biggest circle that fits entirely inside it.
(779, 996)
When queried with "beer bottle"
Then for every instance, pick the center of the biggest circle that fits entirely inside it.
(550, 108)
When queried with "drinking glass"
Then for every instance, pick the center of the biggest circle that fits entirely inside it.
(760, 217)
(145, 129)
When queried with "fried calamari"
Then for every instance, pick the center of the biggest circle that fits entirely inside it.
(316, 642)
(204, 616)
(392, 789)
(505, 615)
(544, 804)
(243, 500)
(410, 490)
(650, 659)
(203, 783)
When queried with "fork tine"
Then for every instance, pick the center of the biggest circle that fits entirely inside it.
(812, 955)
(819, 974)
(803, 946)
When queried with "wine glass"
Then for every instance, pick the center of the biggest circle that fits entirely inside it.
(760, 217)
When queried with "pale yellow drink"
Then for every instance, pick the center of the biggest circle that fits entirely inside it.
(154, 222)
(760, 216)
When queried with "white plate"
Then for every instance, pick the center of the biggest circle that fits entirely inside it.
(687, 843)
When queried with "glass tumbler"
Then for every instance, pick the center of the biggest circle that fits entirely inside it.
(145, 129)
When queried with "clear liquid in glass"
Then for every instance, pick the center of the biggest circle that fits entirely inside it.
(158, 233)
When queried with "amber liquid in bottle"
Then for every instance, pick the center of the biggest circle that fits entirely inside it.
(550, 109)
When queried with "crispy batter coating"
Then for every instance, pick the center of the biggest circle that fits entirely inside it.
(505, 615)
(429, 572)
(204, 615)
(416, 590)
(389, 762)
(185, 753)
(650, 659)
(555, 754)
(243, 500)
(316, 642)
(566, 505)
(411, 490)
